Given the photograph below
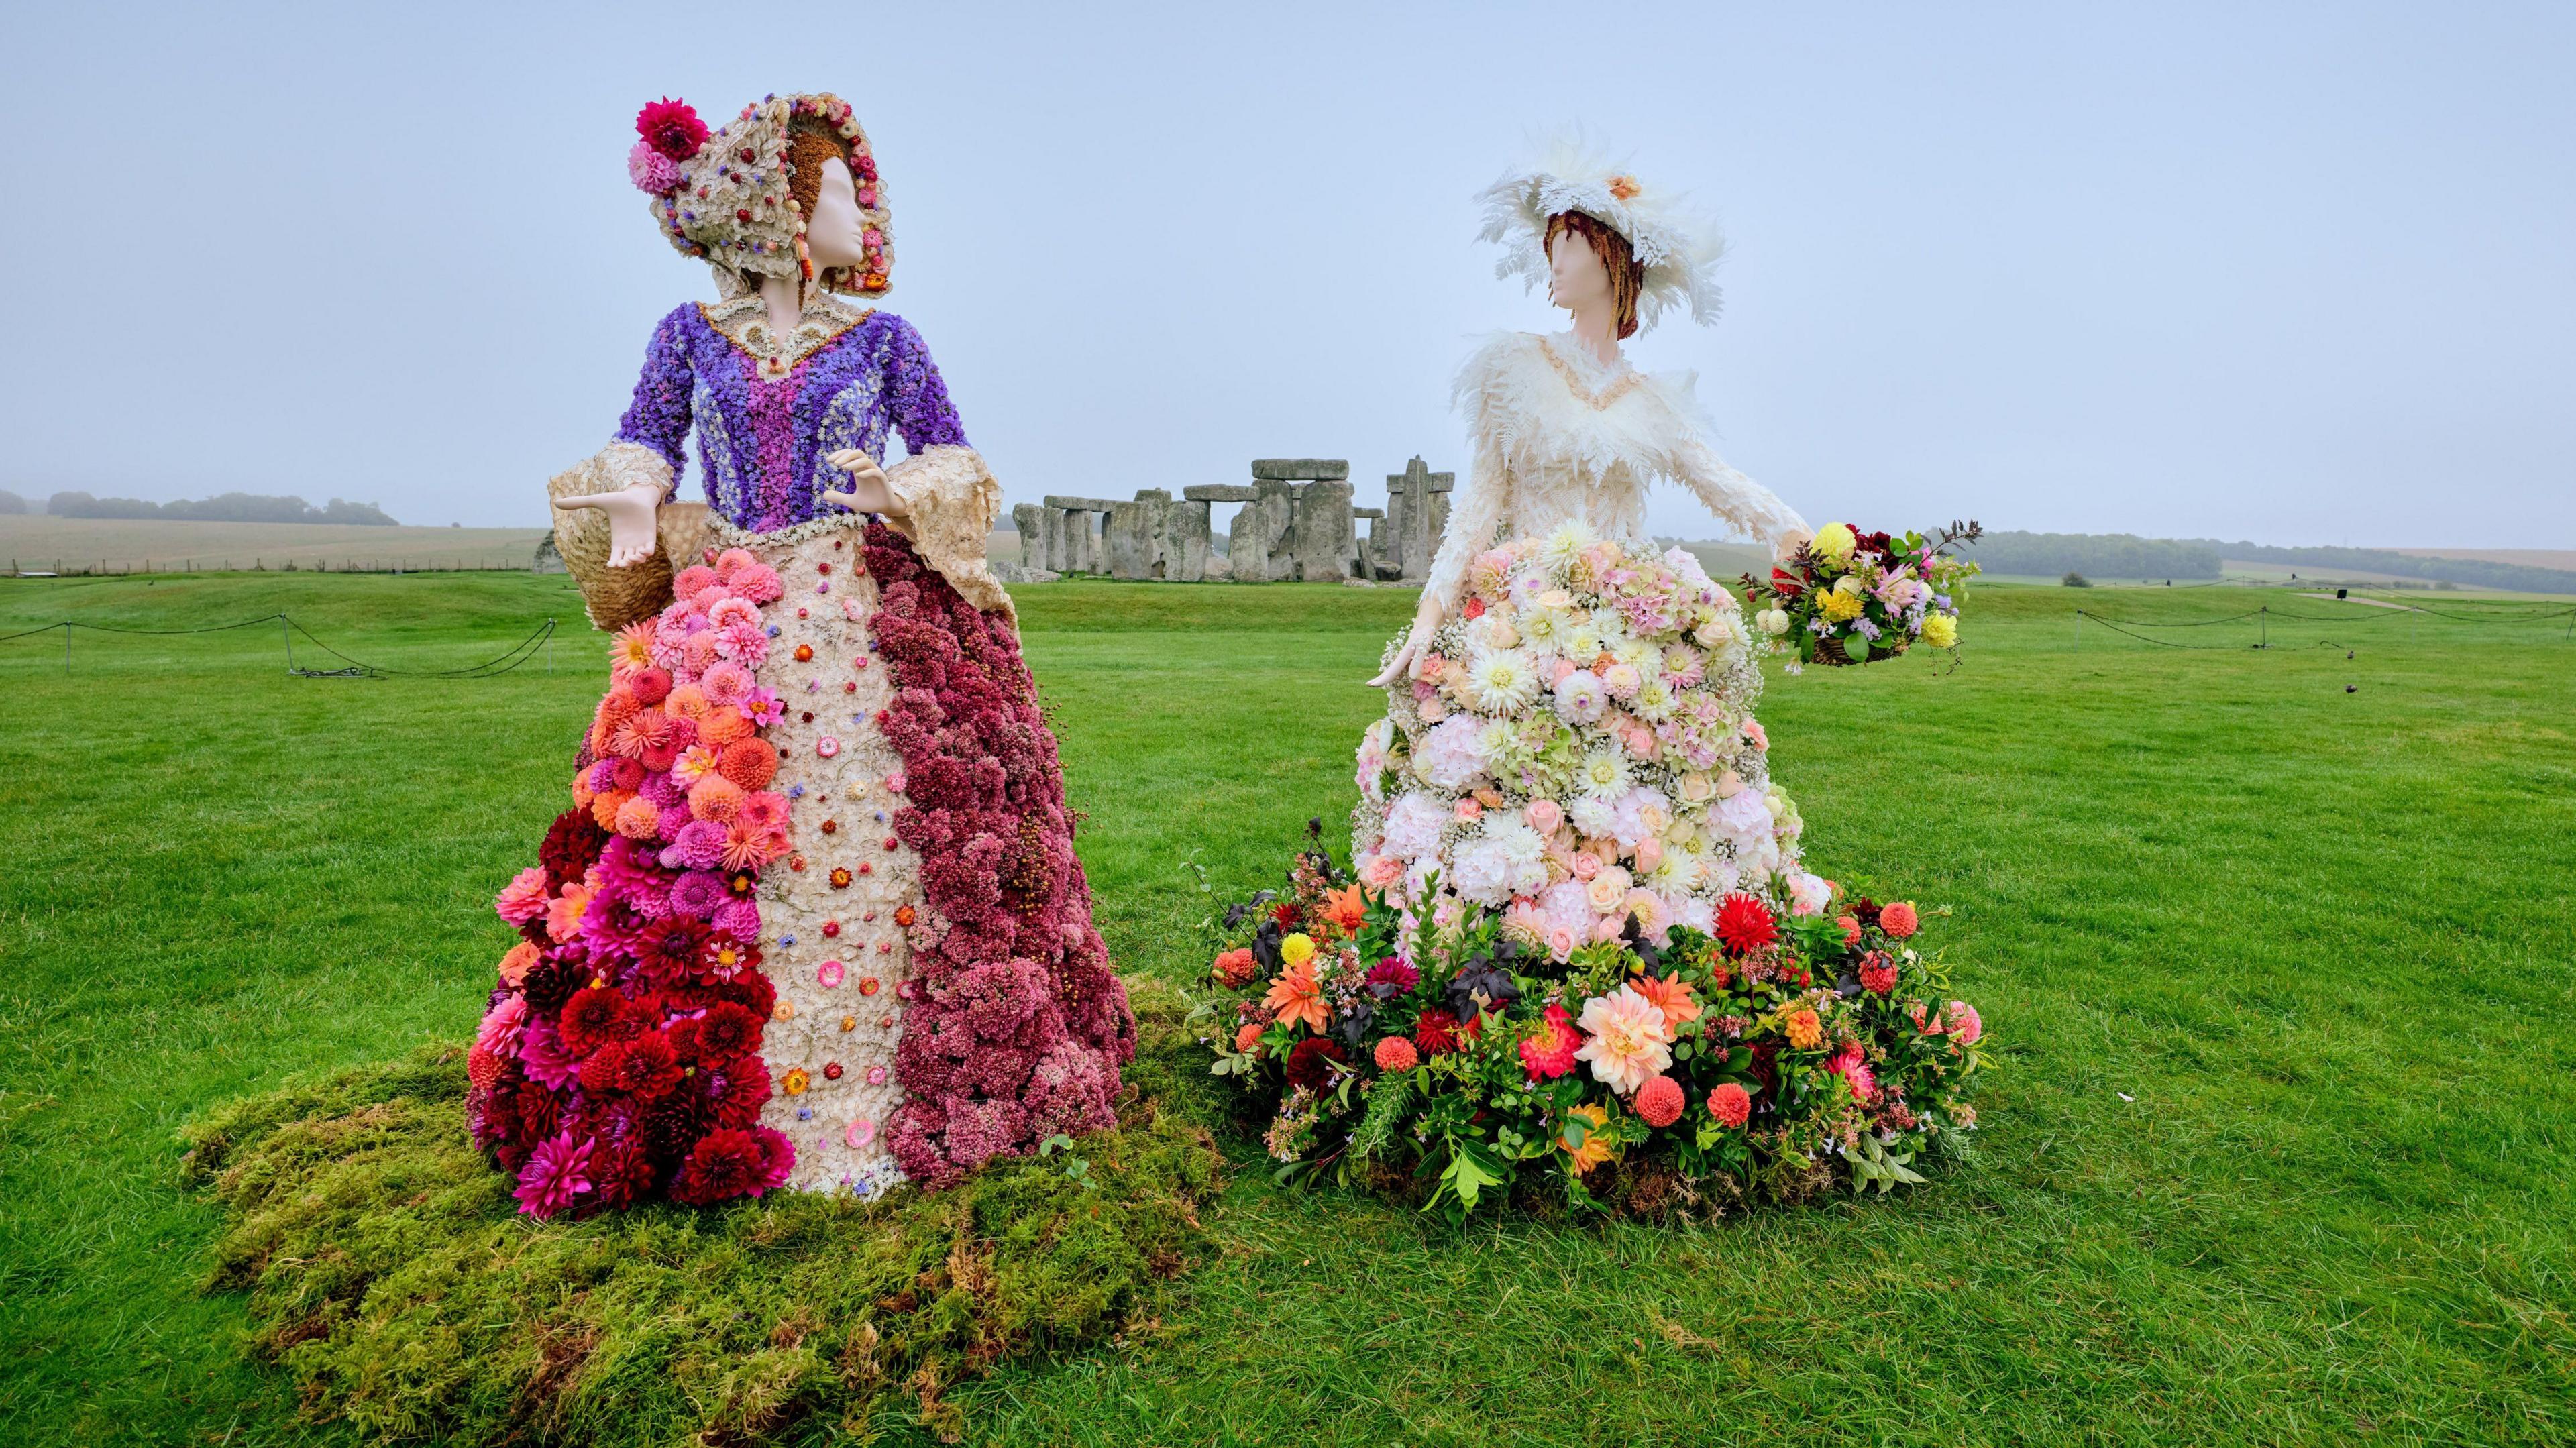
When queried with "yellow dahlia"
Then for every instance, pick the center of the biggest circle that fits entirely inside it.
(1594, 1150)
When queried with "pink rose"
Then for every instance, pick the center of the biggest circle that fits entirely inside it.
(1650, 853)
(1544, 815)
(1640, 741)
(1753, 731)
(1609, 928)
(1380, 871)
(1558, 673)
(1467, 811)
(1560, 944)
(1586, 864)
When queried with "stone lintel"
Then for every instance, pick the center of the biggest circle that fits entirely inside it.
(1300, 470)
(1219, 493)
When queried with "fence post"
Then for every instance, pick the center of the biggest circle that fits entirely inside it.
(2265, 624)
(286, 632)
(67, 646)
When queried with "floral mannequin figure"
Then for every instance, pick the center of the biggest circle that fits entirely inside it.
(1569, 737)
(814, 918)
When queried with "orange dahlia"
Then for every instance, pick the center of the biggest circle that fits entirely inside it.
(1296, 997)
(1594, 1150)
(1671, 995)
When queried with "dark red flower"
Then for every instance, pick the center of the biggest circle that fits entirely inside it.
(1745, 924)
(599, 1072)
(1436, 1033)
(668, 949)
(572, 846)
(672, 128)
(648, 1068)
(733, 1163)
(594, 1017)
(1307, 1064)
(726, 1031)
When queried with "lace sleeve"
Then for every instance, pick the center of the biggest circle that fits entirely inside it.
(1737, 500)
(1476, 513)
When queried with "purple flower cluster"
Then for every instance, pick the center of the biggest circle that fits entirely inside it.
(762, 447)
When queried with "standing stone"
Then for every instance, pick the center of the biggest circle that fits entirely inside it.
(1127, 536)
(1185, 550)
(1319, 547)
(1260, 547)
(1364, 546)
(1024, 517)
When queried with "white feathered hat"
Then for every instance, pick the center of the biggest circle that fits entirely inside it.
(1678, 248)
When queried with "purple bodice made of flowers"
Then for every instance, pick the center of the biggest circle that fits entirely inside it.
(768, 417)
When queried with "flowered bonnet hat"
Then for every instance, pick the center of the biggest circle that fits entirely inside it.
(724, 196)
(1678, 248)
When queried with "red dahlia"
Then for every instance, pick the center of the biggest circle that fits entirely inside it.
(1745, 924)
(594, 1017)
(1307, 1064)
(732, 1163)
(1436, 1033)
(648, 1067)
(672, 128)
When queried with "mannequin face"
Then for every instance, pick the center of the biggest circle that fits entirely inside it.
(834, 234)
(1576, 280)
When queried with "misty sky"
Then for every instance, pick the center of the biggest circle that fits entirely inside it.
(2300, 274)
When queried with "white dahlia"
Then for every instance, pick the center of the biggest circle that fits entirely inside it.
(1501, 681)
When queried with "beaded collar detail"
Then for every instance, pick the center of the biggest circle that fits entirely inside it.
(744, 322)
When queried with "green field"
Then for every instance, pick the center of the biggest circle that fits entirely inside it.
(2273, 948)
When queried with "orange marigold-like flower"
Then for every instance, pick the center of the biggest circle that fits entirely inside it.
(904, 916)
(1234, 967)
(1248, 1035)
(1594, 1150)
(1671, 995)
(638, 819)
(724, 726)
(1295, 997)
(1806, 1030)
(1346, 908)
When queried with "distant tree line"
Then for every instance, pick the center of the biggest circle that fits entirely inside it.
(222, 508)
(11, 503)
(2123, 555)
(2096, 555)
(2477, 571)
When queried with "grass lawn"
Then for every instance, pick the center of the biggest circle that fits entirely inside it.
(2278, 976)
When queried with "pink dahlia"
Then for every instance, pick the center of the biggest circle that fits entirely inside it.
(556, 1173)
(1395, 1053)
(524, 898)
(1878, 972)
(1849, 1064)
(756, 581)
(1899, 920)
(653, 173)
(499, 1032)
(671, 128)
(1553, 1051)
(726, 682)
(1964, 1025)
(732, 562)
(1628, 1039)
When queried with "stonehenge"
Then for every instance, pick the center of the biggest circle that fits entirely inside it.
(1297, 524)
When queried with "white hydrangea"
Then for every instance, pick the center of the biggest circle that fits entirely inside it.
(1413, 826)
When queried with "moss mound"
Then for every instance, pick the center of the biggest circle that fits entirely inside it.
(388, 1270)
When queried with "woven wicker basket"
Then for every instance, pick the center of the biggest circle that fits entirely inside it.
(616, 597)
(1830, 651)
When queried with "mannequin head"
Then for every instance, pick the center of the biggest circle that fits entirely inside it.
(826, 194)
(1591, 267)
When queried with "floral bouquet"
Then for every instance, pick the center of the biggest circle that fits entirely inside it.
(1659, 1072)
(1855, 598)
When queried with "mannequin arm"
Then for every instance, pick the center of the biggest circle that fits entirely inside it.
(1739, 501)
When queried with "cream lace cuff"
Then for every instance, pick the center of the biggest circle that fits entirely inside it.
(950, 500)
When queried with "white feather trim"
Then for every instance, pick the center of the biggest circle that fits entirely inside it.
(1679, 248)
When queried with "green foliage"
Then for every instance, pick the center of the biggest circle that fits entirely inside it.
(389, 1272)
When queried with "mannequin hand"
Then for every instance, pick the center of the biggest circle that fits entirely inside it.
(1417, 642)
(868, 492)
(1786, 546)
(630, 512)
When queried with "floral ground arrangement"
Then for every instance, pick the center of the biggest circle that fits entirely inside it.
(410, 1299)
(1667, 1075)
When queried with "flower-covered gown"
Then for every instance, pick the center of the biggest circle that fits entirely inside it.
(814, 918)
(1579, 749)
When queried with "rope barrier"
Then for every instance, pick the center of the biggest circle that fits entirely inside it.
(2127, 626)
(288, 630)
